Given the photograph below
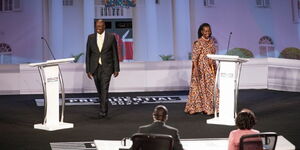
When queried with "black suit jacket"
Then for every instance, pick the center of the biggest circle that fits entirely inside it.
(109, 54)
(162, 128)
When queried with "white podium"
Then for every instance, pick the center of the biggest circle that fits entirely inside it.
(52, 80)
(227, 79)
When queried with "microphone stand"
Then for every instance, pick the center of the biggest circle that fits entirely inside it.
(228, 42)
(48, 47)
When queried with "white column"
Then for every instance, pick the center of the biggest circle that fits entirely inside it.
(45, 32)
(145, 29)
(181, 29)
(165, 28)
(56, 27)
(140, 46)
(152, 30)
(88, 17)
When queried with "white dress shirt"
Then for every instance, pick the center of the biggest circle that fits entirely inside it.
(100, 41)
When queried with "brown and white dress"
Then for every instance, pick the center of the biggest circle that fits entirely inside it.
(200, 97)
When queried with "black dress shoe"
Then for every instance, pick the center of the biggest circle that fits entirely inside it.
(102, 115)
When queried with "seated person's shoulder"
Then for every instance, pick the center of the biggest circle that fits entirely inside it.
(242, 132)
(254, 131)
(234, 132)
(171, 128)
(144, 127)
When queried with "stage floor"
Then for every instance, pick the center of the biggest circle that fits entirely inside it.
(276, 111)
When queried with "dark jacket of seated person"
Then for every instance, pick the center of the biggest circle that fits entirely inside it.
(160, 116)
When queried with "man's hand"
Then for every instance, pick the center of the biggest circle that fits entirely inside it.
(116, 74)
(90, 75)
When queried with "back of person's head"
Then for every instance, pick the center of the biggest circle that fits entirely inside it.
(245, 119)
(160, 113)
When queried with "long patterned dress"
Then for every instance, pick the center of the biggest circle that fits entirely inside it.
(200, 97)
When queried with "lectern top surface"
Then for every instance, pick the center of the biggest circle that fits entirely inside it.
(227, 58)
(52, 62)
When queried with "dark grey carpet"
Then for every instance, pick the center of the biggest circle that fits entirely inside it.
(276, 111)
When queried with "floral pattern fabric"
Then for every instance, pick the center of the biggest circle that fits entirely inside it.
(201, 91)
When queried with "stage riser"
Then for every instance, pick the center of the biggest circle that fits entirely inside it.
(262, 73)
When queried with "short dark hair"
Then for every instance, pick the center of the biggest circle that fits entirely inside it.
(160, 113)
(245, 119)
(201, 28)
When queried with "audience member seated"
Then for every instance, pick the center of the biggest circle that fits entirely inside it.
(244, 121)
(160, 116)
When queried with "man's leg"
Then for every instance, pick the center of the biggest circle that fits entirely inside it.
(104, 87)
(97, 80)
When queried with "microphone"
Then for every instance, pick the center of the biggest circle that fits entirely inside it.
(228, 42)
(48, 47)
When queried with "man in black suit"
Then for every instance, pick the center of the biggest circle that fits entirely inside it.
(101, 62)
(160, 116)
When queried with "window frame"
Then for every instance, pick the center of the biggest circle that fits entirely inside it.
(7, 52)
(268, 46)
(208, 3)
(10, 5)
(68, 2)
(263, 3)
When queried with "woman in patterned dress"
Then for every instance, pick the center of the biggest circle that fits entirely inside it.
(200, 97)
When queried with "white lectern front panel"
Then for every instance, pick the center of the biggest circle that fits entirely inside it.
(227, 86)
(52, 92)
